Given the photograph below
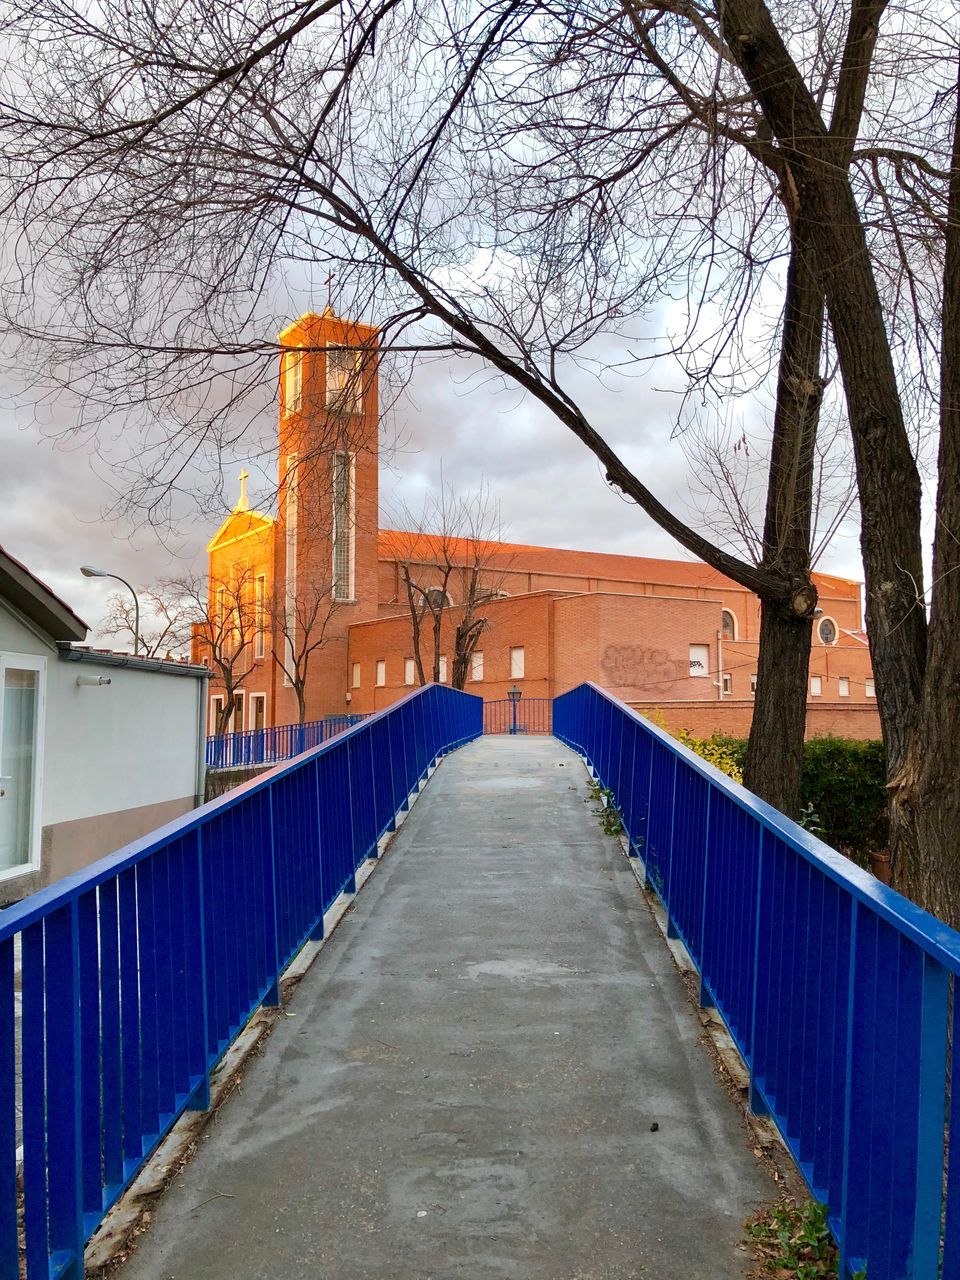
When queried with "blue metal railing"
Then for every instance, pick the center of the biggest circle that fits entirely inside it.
(837, 990)
(139, 971)
(271, 745)
(533, 715)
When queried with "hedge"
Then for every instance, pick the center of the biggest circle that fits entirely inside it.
(843, 796)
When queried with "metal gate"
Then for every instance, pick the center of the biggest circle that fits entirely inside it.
(533, 715)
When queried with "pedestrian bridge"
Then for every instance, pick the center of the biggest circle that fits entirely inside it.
(492, 1069)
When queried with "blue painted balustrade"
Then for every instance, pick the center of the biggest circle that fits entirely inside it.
(273, 743)
(527, 715)
(140, 971)
(837, 990)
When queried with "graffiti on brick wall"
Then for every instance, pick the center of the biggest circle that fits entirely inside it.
(633, 664)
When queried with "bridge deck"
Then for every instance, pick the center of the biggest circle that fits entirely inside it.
(468, 1078)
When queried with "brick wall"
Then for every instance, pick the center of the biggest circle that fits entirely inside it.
(635, 645)
(733, 716)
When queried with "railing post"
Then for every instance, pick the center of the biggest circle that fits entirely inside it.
(932, 1056)
(270, 924)
(849, 1249)
(705, 999)
(755, 1100)
(316, 934)
(199, 1010)
(64, 1065)
(668, 878)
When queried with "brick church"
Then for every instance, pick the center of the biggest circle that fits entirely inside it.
(312, 602)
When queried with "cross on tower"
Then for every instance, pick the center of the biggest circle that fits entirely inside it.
(243, 503)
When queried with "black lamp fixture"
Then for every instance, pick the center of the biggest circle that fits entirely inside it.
(514, 694)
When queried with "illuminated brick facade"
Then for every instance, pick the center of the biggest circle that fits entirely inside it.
(665, 634)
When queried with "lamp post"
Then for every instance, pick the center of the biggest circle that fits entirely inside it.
(89, 571)
(514, 694)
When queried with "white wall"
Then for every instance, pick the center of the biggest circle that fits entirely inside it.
(120, 746)
(130, 743)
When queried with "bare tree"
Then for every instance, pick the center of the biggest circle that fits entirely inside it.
(166, 618)
(511, 183)
(449, 555)
(300, 629)
(224, 627)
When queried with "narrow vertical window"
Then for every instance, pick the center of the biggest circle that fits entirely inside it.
(871, 689)
(753, 686)
(443, 668)
(260, 607)
(727, 682)
(517, 663)
(381, 672)
(816, 686)
(343, 379)
(476, 666)
(409, 671)
(342, 526)
(290, 582)
(356, 675)
(292, 381)
(844, 686)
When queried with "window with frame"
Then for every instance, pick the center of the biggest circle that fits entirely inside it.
(409, 671)
(870, 689)
(216, 710)
(843, 684)
(356, 675)
(816, 686)
(827, 631)
(258, 710)
(753, 686)
(517, 662)
(293, 381)
(727, 682)
(443, 668)
(381, 672)
(728, 624)
(699, 659)
(22, 696)
(476, 665)
(342, 526)
(344, 389)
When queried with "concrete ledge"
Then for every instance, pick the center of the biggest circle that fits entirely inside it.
(131, 1215)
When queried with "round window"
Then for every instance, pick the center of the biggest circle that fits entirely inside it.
(827, 631)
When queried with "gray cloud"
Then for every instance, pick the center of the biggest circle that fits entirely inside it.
(549, 487)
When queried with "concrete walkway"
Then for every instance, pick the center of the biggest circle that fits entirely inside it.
(466, 1083)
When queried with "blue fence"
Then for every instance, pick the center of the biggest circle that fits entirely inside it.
(533, 715)
(271, 745)
(140, 971)
(837, 990)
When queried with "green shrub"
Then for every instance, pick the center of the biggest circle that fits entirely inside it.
(843, 797)
(844, 782)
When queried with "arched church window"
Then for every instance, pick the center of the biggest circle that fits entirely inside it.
(728, 625)
(438, 599)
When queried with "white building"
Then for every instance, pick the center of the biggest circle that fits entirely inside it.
(96, 749)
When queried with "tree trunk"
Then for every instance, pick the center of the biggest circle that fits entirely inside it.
(887, 477)
(925, 802)
(775, 748)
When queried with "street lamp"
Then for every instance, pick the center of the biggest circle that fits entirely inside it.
(514, 694)
(89, 571)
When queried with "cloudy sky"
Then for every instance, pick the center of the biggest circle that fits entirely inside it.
(57, 493)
